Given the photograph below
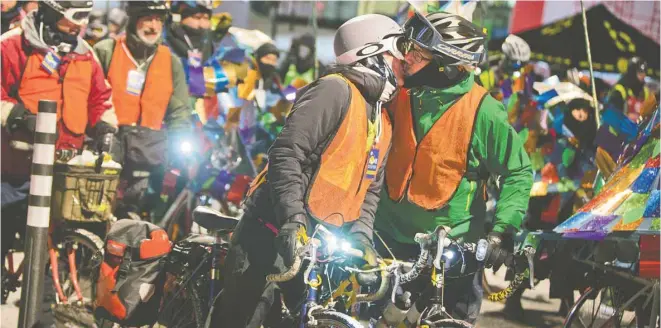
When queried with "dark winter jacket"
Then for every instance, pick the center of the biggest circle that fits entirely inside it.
(294, 157)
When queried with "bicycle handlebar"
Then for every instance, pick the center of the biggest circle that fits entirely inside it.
(380, 293)
(289, 274)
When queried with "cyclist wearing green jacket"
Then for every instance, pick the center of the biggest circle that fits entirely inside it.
(449, 136)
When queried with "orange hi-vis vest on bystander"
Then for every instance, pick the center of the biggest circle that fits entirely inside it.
(428, 173)
(348, 165)
(149, 107)
(71, 92)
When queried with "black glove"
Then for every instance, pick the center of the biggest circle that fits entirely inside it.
(286, 242)
(21, 119)
(362, 242)
(496, 252)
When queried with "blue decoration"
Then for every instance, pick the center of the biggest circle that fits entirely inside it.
(645, 180)
(573, 222)
(652, 207)
(546, 96)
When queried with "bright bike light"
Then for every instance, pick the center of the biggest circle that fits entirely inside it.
(186, 147)
(449, 254)
(345, 246)
(331, 243)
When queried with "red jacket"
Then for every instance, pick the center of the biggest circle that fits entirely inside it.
(15, 46)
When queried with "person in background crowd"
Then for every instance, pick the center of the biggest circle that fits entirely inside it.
(116, 22)
(629, 94)
(189, 37)
(45, 58)
(221, 26)
(13, 11)
(150, 89)
(628, 103)
(300, 61)
(427, 185)
(97, 15)
(507, 77)
(95, 32)
(322, 123)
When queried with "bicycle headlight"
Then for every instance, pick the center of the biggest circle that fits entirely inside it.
(186, 147)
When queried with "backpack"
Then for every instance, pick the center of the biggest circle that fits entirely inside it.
(131, 276)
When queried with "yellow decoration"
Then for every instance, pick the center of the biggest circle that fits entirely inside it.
(622, 65)
(245, 89)
(233, 117)
(539, 188)
(622, 40)
(199, 109)
(621, 226)
(557, 27)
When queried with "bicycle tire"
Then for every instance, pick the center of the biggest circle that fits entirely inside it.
(82, 311)
(332, 319)
(452, 323)
(88, 239)
(589, 297)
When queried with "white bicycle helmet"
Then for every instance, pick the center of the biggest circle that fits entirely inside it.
(361, 40)
(365, 36)
(516, 49)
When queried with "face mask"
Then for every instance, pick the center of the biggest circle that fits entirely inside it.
(431, 76)
(266, 70)
(197, 36)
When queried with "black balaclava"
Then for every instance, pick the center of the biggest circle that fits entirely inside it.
(198, 36)
(304, 64)
(584, 131)
(51, 34)
(267, 71)
(630, 80)
(432, 76)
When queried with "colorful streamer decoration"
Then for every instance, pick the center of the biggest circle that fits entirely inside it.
(630, 200)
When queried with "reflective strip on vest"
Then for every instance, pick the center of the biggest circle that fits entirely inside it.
(71, 95)
(430, 172)
(150, 107)
(337, 191)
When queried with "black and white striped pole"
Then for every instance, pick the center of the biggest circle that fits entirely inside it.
(36, 237)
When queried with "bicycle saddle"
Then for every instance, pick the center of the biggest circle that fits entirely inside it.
(213, 220)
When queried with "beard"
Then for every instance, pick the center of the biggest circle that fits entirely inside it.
(149, 37)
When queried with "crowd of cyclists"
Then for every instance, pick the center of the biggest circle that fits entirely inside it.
(408, 130)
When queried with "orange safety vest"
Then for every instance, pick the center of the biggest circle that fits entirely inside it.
(429, 172)
(337, 190)
(71, 94)
(147, 109)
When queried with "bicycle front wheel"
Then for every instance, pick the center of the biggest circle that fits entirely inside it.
(332, 319)
(605, 307)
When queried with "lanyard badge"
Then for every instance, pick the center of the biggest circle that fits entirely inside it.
(134, 82)
(372, 163)
(51, 62)
(194, 58)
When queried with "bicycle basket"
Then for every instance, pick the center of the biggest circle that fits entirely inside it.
(82, 194)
